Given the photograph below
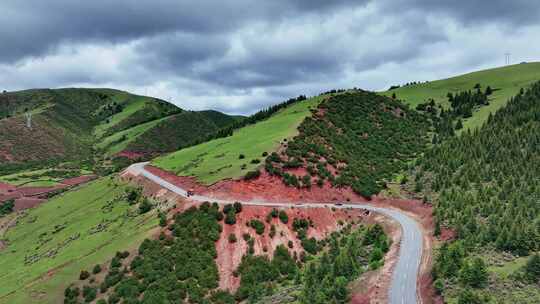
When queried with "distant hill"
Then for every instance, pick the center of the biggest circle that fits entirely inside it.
(82, 125)
(505, 82)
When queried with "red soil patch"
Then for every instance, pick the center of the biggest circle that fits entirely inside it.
(27, 202)
(230, 254)
(130, 154)
(271, 189)
(447, 234)
(6, 197)
(34, 191)
(266, 187)
(325, 221)
(29, 197)
(78, 180)
(5, 188)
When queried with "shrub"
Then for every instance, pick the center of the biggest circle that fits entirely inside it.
(241, 156)
(89, 293)
(272, 231)
(255, 161)
(532, 268)
(162, 219)
(227, 208)
(84, 275)
(310, 245)
(7, 207)
(283, 217)
(258, 226)
(96, 269)
(232, 238)
(230, 217)
(439, 286)
(467, 296)
(237, 207)
(252, 174)
(145, 206)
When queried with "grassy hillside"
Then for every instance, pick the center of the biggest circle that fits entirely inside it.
(506, 82)
(50, 244)
(83, 125)
(174, 132)
(234, 156)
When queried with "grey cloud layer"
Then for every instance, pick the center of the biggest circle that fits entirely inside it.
(237, 55)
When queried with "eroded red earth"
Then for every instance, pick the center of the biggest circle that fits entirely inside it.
(29, 197)
(271, 189)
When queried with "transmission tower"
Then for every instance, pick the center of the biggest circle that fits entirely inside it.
(507, 58)
(28, 116)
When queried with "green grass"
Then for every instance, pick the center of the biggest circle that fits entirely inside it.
(506, 80)
(510, 267)
(112, 145)
(35, 178)
(129, 109)
(25, 177)
(219, 159)
(80, 211)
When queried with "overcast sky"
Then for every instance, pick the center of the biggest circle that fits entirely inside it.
(237, 56)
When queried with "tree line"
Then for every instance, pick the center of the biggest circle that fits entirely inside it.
(484, 185)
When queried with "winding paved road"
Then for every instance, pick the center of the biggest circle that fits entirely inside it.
(404, 277)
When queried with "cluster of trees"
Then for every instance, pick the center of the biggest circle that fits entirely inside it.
(109, 110)
(134, 196)
(7, 207)
(170, 269)
(230, 211)
(325, 280)
(486, 187)
(462, 104)
(347, 254)
(301, 227)
(453, 265)
(487, 180)
(371, 137)
(334, 91)
(393, 87)
(259, 275)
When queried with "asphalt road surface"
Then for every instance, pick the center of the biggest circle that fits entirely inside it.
(404, 277)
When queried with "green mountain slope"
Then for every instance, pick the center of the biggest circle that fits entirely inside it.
(82, 125)
(484, 185)
(506, 82)
(47, 246)
(221, 158)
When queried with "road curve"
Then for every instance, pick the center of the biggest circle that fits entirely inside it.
(405, 274)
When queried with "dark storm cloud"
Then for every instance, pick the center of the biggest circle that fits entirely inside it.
(238, 55)
(34, 28)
